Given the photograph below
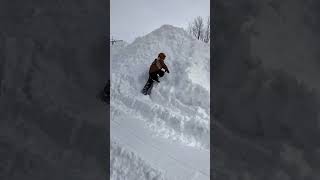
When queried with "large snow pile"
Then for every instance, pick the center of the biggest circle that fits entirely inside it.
(178, 108)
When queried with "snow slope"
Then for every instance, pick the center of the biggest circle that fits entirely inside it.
(167, 132)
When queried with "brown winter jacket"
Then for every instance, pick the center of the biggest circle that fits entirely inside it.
(157, 64)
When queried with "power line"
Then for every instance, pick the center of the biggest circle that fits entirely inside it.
(113, 41)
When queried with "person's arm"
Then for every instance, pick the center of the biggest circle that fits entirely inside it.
(164, 66)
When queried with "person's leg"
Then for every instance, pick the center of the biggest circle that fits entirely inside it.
(154, 76)
(147, 86)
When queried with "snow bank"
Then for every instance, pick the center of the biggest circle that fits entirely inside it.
(116, 47)
(126, 165)
(170, 128)
(178, 107)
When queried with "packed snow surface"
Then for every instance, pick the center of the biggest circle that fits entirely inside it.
(164, 135)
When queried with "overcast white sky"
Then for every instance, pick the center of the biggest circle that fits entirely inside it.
(132, 18)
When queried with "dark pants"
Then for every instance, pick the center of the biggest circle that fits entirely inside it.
(154, 75)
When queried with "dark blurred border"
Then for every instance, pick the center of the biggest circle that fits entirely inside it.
(46, 131)
(265, 89)
(212, 49)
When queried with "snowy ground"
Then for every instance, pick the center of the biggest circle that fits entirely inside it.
(165, 135)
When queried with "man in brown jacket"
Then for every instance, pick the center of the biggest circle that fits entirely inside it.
(156, 67)
(154, 71)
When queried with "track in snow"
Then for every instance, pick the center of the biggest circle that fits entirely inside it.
(176, 160)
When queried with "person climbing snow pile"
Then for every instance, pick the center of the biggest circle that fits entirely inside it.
(155, 72)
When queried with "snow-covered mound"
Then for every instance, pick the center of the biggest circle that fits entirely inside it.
(179, 106)
(116, 47)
